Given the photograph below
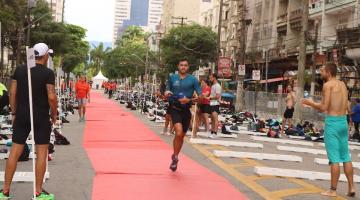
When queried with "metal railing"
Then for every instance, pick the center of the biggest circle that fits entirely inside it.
(273, 105)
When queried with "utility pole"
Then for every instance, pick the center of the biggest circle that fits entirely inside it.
(242, 54)
(182, 23)
(313, 67)
(266, 69)
(63, 12)
(219, 28)
(302, 60)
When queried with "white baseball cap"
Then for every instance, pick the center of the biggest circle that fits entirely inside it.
(41, 49)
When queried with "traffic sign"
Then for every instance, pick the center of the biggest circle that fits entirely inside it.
(256, 75)
(242, 70)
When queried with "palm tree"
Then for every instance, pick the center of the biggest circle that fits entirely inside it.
(97, 56)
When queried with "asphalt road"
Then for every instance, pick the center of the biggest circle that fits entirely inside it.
(71, 172)
(240, 172)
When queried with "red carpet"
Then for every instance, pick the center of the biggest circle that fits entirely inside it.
(132, 162)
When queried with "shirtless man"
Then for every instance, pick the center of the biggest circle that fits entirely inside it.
(289, 112)
(334, 103)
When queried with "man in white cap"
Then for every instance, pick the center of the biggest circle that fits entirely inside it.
(44, 99)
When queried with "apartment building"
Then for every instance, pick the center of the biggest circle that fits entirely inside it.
(57, 7)
(121, 13)
(176, 12)
(276, 26)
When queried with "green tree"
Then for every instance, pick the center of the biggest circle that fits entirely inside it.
(194, 42)
(98, 55)
(121, 61)
(77, 48)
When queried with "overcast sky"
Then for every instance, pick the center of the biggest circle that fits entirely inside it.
(94, 15)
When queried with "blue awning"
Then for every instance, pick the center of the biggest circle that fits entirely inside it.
(228, 95)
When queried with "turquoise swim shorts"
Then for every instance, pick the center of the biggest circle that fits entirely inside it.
(336, 139)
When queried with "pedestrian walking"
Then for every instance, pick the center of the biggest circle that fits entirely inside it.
(82, 89)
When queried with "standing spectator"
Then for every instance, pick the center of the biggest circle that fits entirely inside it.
(355, 116)
(44, 100)
(290, 108)
(204, 106)
(214, 98)
(82, 89)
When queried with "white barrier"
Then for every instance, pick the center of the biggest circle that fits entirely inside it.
(289, 173)
(219, 135)
(23, 176)
(351, 147)
(282, 141)
(301, 150)
(258, 156)
(321, 161)
(226, 143)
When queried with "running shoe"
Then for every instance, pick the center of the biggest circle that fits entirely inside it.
(174, 163)
(45, 196)
(4, 196)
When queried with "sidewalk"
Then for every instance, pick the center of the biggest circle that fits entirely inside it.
(132, 162)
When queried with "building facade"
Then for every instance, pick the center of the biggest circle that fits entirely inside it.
(155, 12)
(274, 28)
(178, 12)
(122, 13)
(57, 7)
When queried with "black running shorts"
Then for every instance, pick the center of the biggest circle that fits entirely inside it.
(22, 130)
(182, 116)
(215, 109)
(289, 112)
(205, 108)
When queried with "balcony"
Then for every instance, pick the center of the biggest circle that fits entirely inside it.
(234, 43)
(295, 19)
(282, 29)
(296, 15)
(315, 8)
(338, 4)
(282, 19)
(349, 37)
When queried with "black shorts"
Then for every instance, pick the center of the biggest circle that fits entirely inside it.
(205, 108)
(182, 116)
(42, 131)
(289, 113)
(215, 109)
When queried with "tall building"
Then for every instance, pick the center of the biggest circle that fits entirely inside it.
(139, 13)
(57, 7)
(143, 13)
(122, 13)
(182, 11)
(155, 12)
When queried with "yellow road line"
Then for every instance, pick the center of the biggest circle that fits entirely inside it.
(250, 181)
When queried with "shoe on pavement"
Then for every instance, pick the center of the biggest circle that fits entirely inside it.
(174, 163)
(4, 196)
(45, 196)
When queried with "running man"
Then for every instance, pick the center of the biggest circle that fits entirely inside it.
(289, 111)
(82, 89)
(45, 100)
(214, 98)
(334, 103)
(181, 87)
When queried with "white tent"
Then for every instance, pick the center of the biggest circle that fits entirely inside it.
(98, 80)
